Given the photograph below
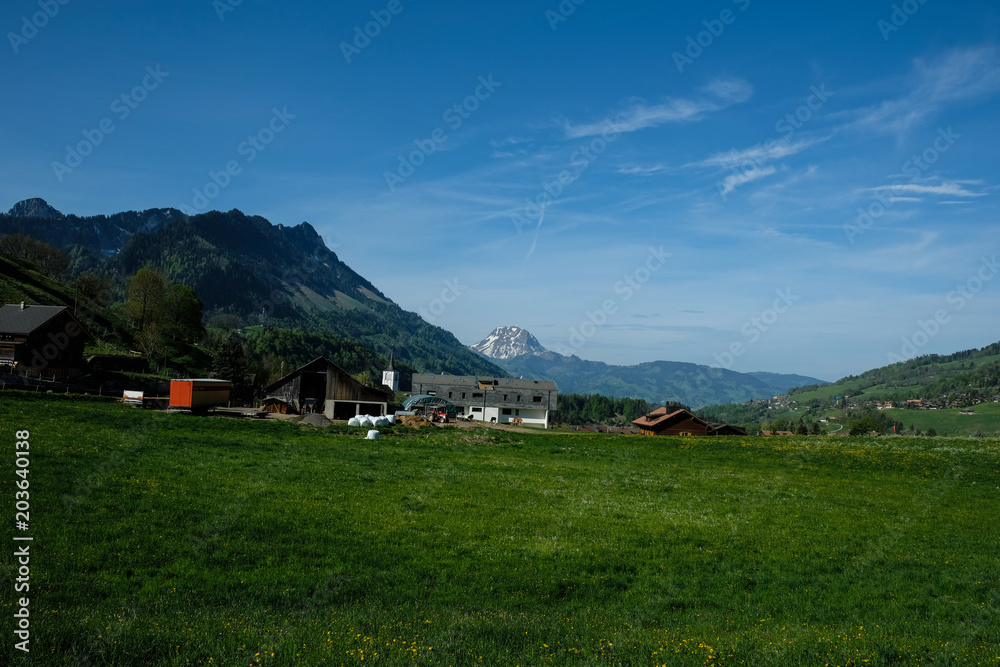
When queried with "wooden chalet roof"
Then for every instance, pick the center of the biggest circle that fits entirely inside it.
(659, 419)
(15, 319)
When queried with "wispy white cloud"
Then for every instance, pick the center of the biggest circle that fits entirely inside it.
(951, 188)
(643, 171)
(759, 154)
(715, 96)
(733, 181)
(958, 76)
(509, 141)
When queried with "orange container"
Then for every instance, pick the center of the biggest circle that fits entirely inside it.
(199, 394)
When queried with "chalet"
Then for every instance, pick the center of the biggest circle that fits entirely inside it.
(323, 386)
(674, 421)
(42, 340)
(502, 400)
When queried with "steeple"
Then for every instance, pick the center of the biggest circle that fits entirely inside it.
(390, 376)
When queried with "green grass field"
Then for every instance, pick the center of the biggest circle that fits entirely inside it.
(176, 540)
(952, 422)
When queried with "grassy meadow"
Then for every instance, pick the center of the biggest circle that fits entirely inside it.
(176, 540)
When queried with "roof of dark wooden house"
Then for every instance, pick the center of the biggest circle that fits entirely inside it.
(24, 319)
(661, 418)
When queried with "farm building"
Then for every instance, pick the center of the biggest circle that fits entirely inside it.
(502, 400)
(323, 386)
(42, 340)
(681, 422)
(726, 429)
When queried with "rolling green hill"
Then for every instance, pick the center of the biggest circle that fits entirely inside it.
(926, 393)
(974, 372)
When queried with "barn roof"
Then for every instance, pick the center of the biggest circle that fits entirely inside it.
(321, 365)
(23, 320)
(662, 418)
(17, 321)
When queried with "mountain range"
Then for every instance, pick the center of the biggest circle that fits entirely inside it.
(520, 354)
(251, 271)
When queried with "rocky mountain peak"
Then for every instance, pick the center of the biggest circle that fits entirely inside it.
(34, 208)
(507, 343)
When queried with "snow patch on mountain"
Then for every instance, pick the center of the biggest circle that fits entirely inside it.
(507, 343)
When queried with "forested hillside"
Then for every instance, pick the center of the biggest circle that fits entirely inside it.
(654, 381)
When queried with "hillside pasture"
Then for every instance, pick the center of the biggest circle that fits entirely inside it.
(166, 539)
(951, 421)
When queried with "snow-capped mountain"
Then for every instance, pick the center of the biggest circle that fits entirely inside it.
(507, 343)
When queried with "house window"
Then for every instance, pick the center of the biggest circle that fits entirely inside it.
(449, 394)
(475, 395)
(477, 409)
(518, 399)
(537, 399)
(463, 394)
(432, 393)
(505, 397)
(517, 413)
(505, 411)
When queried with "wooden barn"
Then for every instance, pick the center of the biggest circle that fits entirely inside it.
(42, 340)
(681, 422)
(726, 429)
(323, 386)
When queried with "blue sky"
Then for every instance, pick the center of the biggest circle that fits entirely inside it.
(792, 187)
